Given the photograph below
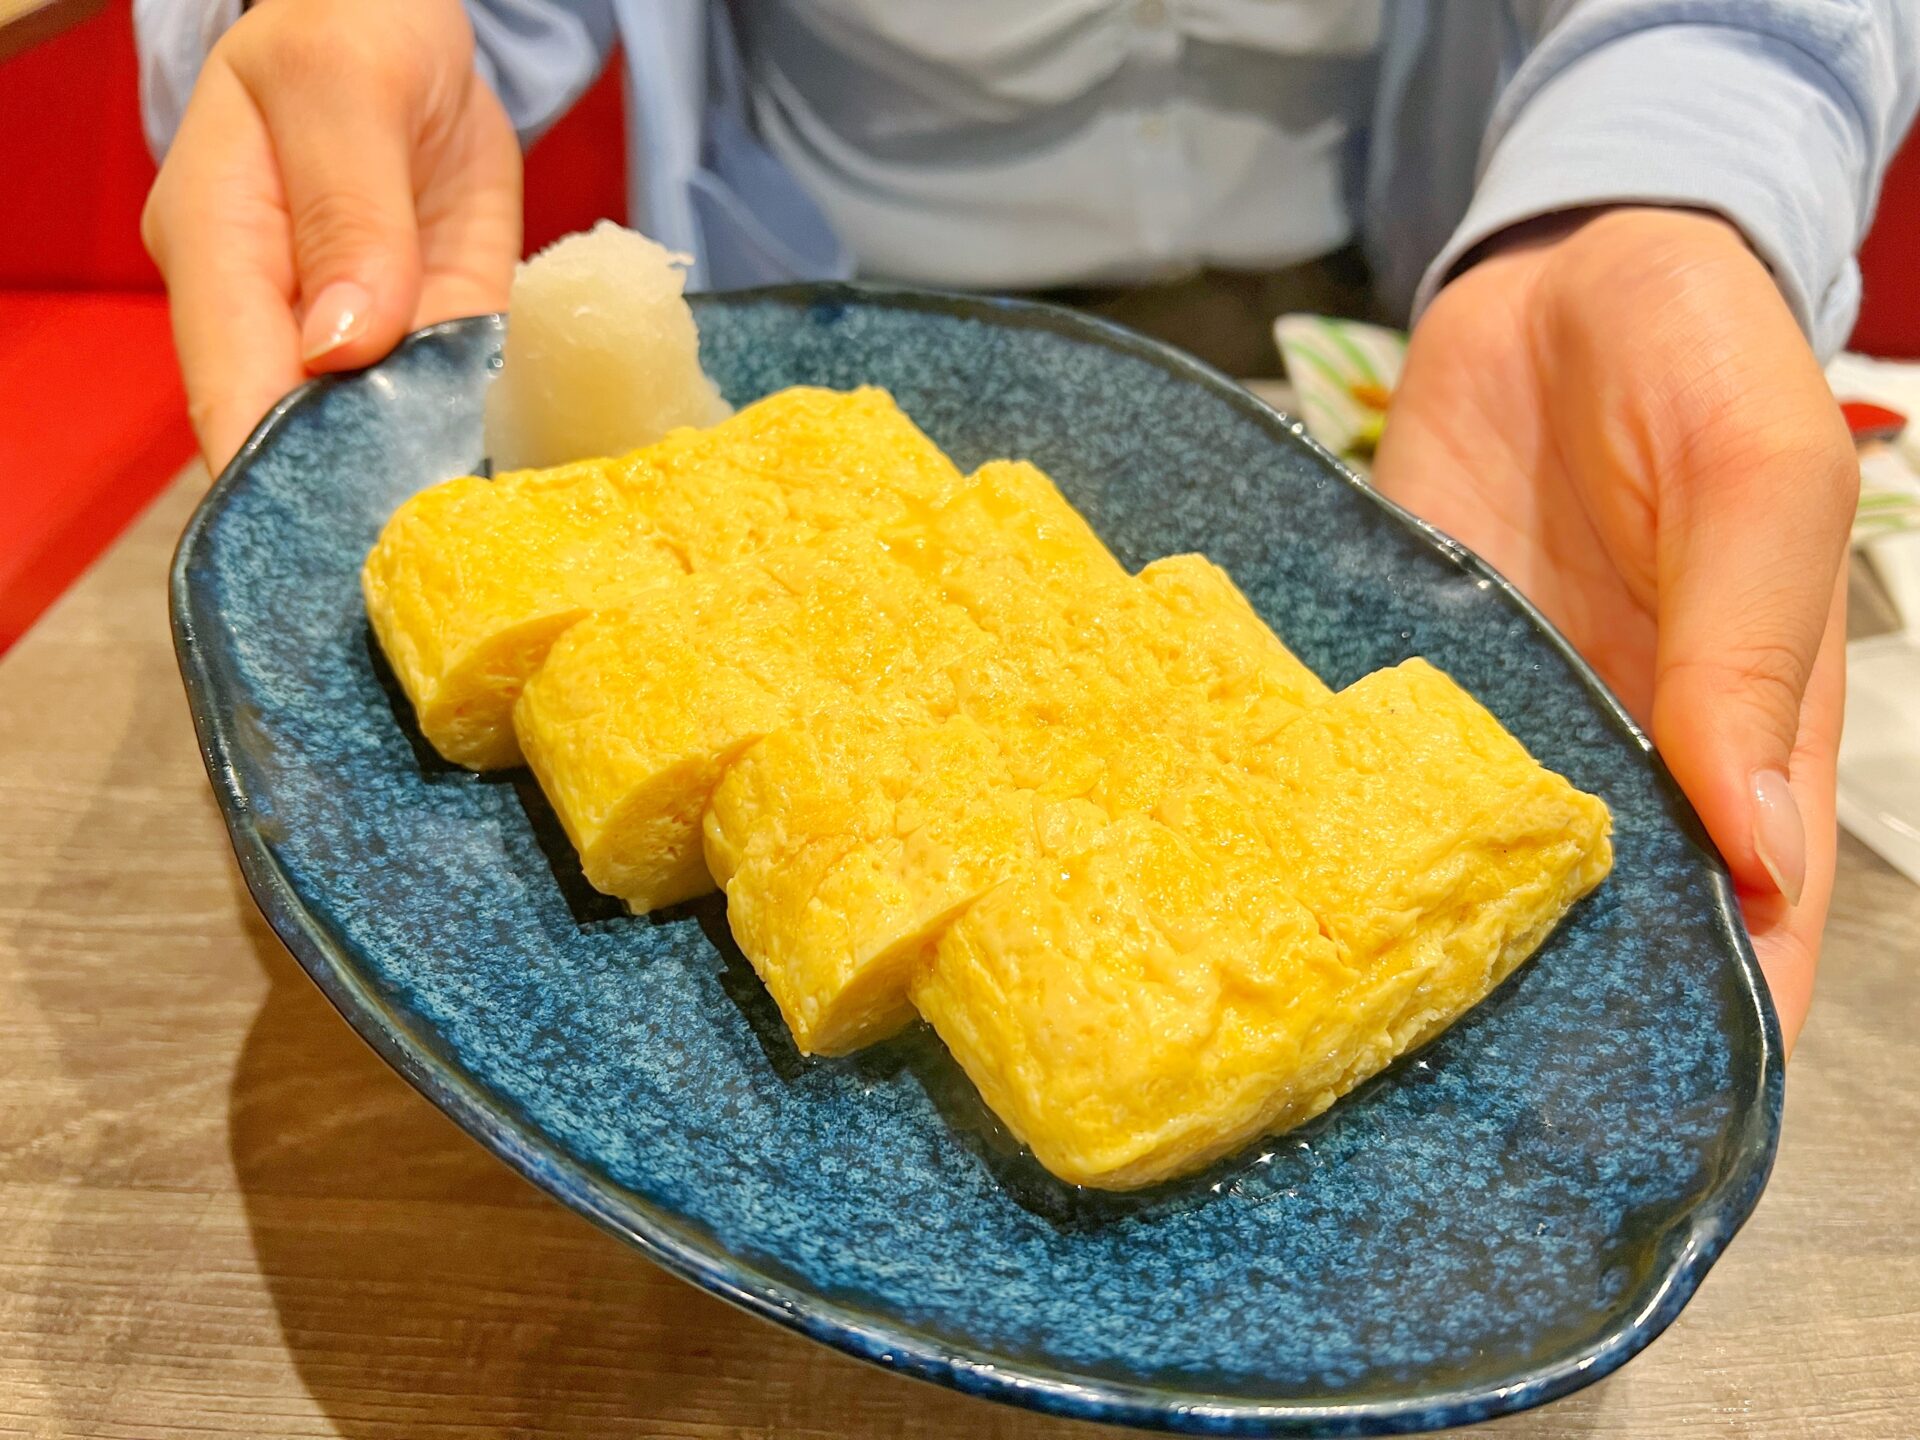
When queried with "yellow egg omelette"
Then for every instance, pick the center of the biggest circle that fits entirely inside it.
(1158, 889)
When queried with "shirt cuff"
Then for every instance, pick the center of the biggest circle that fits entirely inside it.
(1710, 117)
(174, 39)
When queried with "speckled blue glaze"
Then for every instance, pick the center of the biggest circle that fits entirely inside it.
(1497, 1221)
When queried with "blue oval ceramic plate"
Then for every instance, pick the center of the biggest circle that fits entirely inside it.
(1499, 1220)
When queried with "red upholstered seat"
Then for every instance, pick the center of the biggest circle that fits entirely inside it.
(95, 424)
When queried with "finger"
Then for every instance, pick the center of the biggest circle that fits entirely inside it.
(1460, 444)
(1787, 937)
(1755, 512)
(346, 158)
(470, 222)
(1468, 447)
(216, 226)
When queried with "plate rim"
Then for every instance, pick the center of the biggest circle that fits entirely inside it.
(1688, 1248)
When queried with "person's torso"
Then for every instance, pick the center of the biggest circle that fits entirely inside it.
(1041, 142)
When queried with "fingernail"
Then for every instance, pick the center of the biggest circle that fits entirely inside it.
(1779, 835)
(338, 315)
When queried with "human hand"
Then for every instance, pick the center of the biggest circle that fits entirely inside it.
(1618, 411)
(341, 176)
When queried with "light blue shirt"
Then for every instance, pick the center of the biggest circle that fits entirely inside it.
(1049, 142)
(1012, 143)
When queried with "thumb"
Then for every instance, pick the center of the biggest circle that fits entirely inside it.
(347, 170)
(1753, 530)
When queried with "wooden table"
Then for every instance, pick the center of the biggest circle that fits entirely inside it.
(220, 1214)
(25, 23)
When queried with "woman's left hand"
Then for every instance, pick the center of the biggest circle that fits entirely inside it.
(1618, 411)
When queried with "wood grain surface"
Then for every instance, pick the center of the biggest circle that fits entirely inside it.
(220, 1214)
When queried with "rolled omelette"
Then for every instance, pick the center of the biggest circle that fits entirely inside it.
(1230, 968)
(472, 581)
(1157, 889)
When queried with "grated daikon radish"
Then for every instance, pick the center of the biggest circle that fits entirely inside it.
(602, 355)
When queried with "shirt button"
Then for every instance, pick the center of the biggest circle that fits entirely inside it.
(1153, 126)
(1151, 13)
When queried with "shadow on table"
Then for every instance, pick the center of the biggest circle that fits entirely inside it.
(422, 1287)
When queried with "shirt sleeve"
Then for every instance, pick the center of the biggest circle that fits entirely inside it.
(1780, 115)
(538, 55)
(174, 38)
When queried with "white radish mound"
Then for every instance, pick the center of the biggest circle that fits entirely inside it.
(602, 355)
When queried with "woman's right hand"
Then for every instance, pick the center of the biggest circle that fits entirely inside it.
(341, 176)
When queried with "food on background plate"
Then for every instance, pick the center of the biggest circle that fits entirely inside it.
(1158, 889)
